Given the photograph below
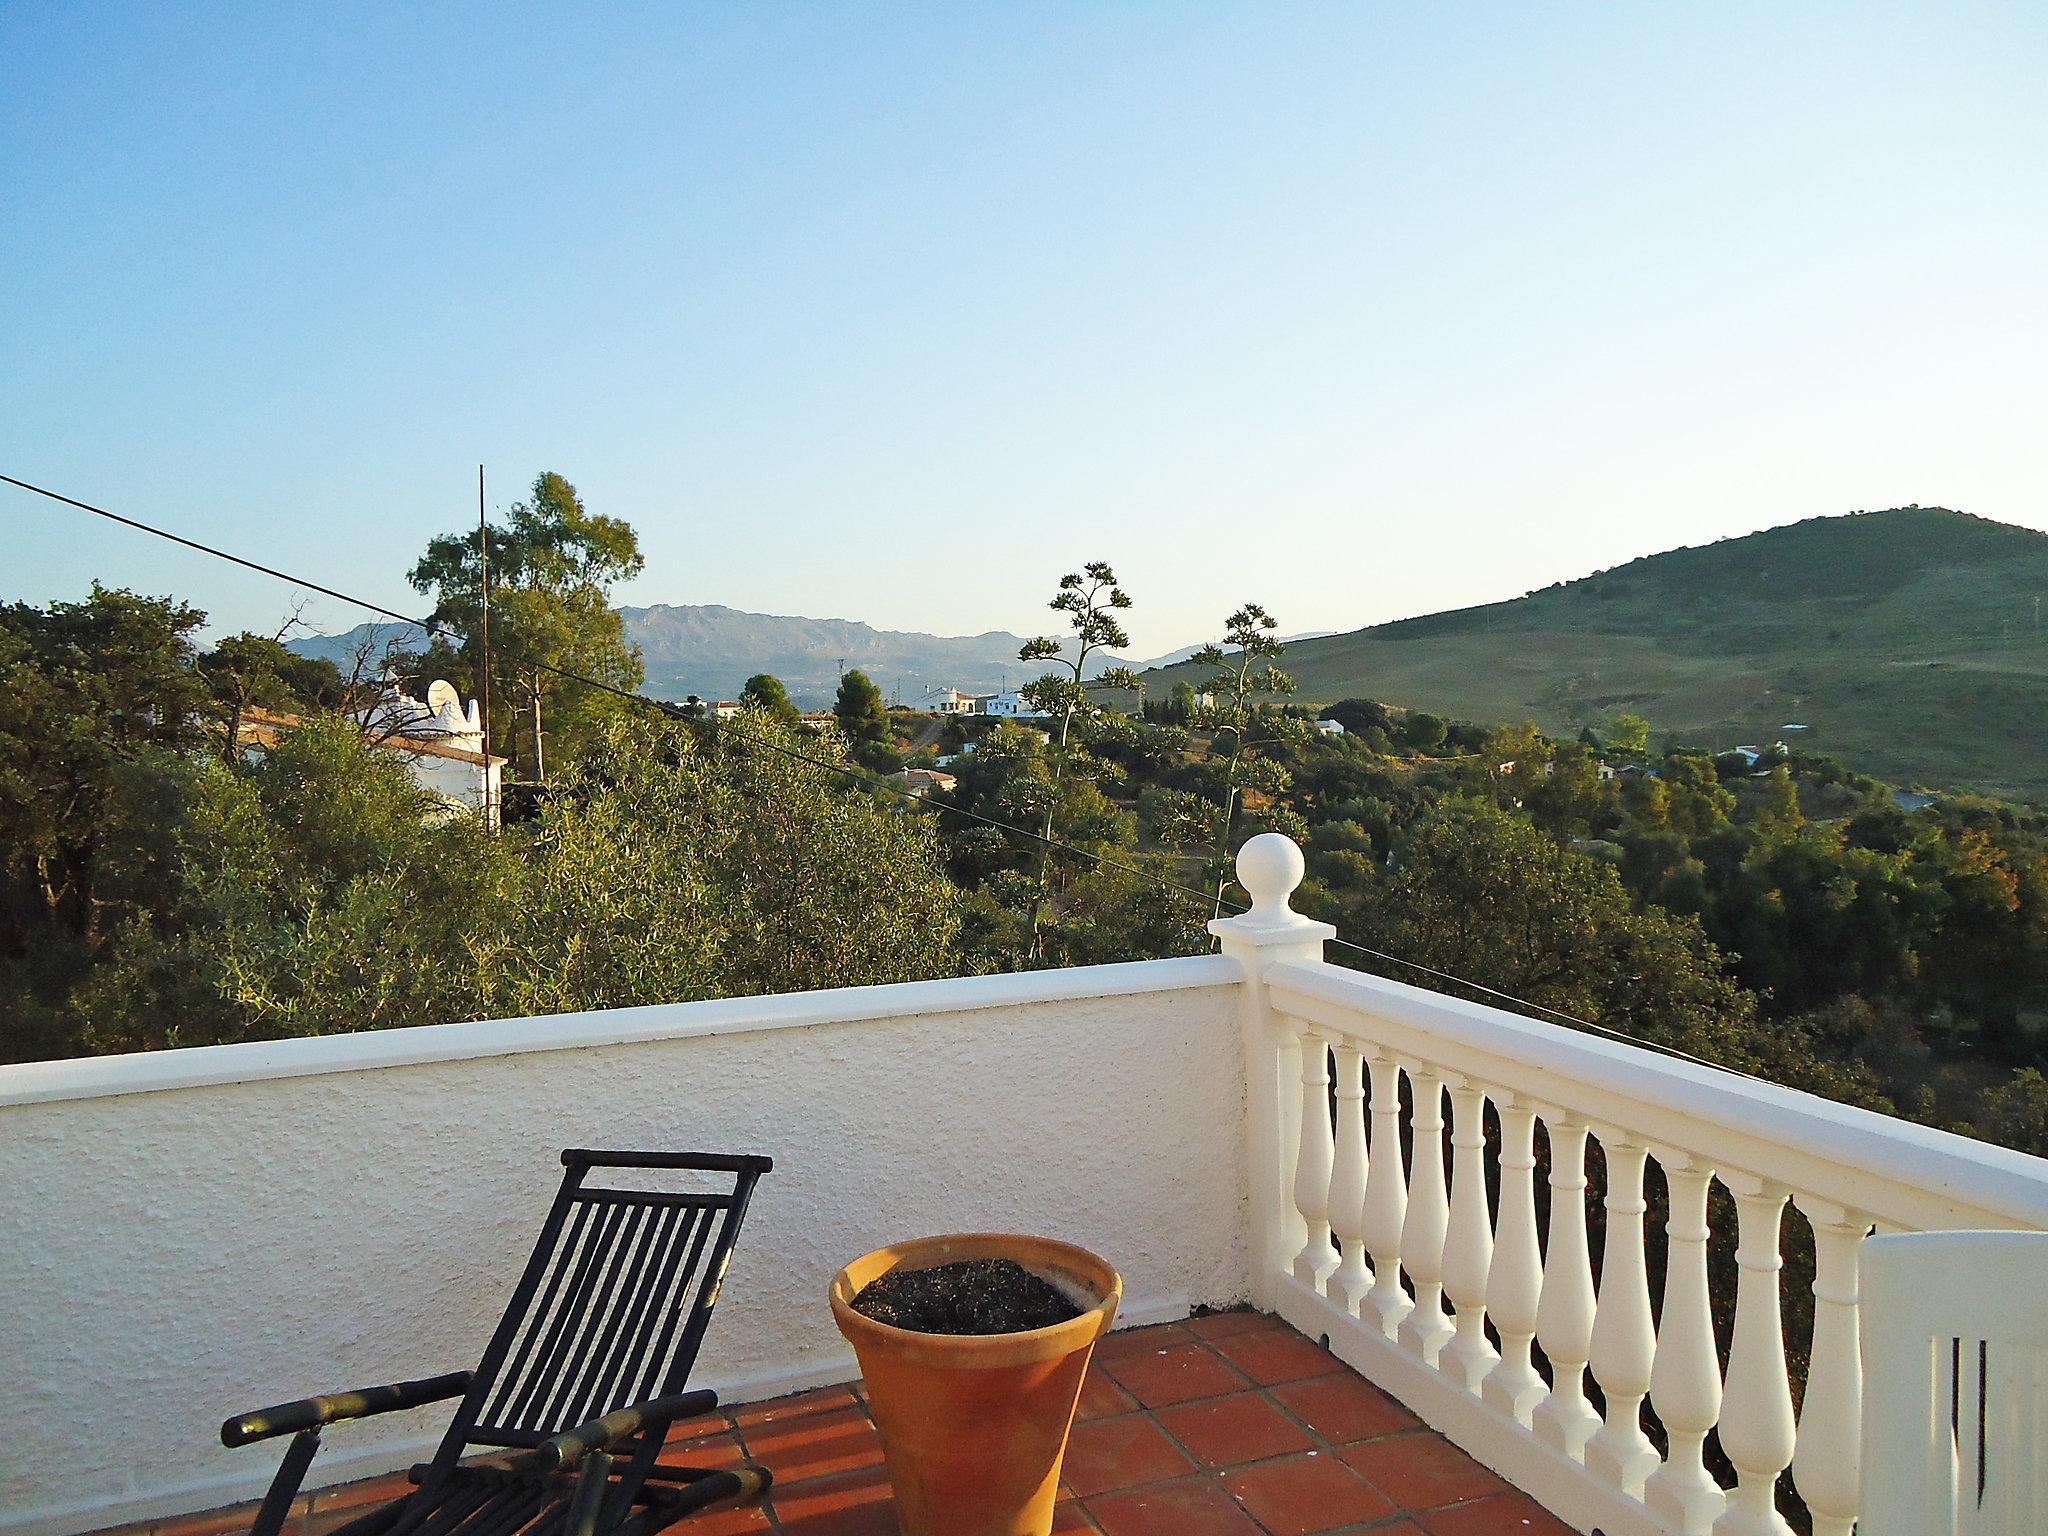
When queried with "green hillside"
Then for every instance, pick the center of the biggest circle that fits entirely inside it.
(1911, 642)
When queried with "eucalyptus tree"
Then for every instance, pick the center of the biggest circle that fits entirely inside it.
(550, 572)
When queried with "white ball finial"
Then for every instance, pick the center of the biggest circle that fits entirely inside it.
(1270, 866)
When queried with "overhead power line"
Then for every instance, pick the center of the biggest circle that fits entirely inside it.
(858, 775)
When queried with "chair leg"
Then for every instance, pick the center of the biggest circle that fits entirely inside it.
(589, 1495)
(277, 1503)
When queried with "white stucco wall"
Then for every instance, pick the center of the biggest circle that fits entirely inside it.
(197, 1233)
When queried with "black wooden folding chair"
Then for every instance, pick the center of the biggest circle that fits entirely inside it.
(580, 1382)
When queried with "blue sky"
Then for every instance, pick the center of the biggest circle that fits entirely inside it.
(897, 312)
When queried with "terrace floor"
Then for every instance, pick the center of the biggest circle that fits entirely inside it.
(1230, 1424)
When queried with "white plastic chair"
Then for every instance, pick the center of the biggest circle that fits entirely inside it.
(1955, 1384)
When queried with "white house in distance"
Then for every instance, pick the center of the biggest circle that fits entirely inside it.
(946, 701)
(1011, 706)
(442, 741)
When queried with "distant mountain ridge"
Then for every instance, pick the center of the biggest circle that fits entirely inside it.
(711, 650)
(1911, 642)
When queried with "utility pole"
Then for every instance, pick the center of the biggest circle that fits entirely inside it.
(540, 772)
(483, 556)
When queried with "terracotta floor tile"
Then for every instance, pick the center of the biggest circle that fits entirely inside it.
(858, 1504)
(728, 1519)
(1228, 1431)
(1217, 1325)
(1175, 1375)
(1101, 1397)
(1509, 1514)
(704, 1424)
(1070, 1519)
(719, 1452)
(817, 1400)
(1193, 1506)
(228, 1521)
(1420, 1471)
(1294, 1495)
(1142, 1341)
(321, 1524)
(362, 1493)
(1270, 1356)
(1120, 1453)
(1342, 1407)
(815, 1444)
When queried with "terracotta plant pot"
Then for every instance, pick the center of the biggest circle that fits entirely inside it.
(974, 1426)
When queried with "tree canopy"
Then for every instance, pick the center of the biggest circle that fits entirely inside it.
(551, 570)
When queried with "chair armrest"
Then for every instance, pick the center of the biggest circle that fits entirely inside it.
(310, 1412)
(572, 1445)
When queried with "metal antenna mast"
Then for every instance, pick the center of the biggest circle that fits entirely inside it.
(483, 556)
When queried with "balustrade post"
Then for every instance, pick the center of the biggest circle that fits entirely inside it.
(1347, 1177)
(1564, 1314)
(1685, 1384)
(1624, 1337)
(1515, 1281)
(1468, 1246)
(1757, 1429)
(1313, 1161)
(1426, 1329)
(1826, 1461)
(1386, 1200)
(1269, 867)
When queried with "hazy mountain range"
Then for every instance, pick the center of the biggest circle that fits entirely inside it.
(711, 651)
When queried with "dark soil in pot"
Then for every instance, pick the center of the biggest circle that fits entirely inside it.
(966, 1296)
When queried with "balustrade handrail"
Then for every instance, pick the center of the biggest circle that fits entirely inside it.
(1897, 1172)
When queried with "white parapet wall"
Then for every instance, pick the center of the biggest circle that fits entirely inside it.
(192, 1234)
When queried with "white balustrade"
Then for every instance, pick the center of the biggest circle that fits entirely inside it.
(1426, 1329)
(1468, 1247)
(1565, 1420)
(1386, 1200)
(1850, 1171)
(1685, 1384)
(1624, 1338)
(1313, 1162)
(1757, 1428)
(1514, 1283)
(1347, 1177)
(1825, 1465)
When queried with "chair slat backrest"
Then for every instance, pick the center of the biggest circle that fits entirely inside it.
(613, 1303)
(1955, 1384)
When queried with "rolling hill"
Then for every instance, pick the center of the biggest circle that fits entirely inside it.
(1910, 642)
